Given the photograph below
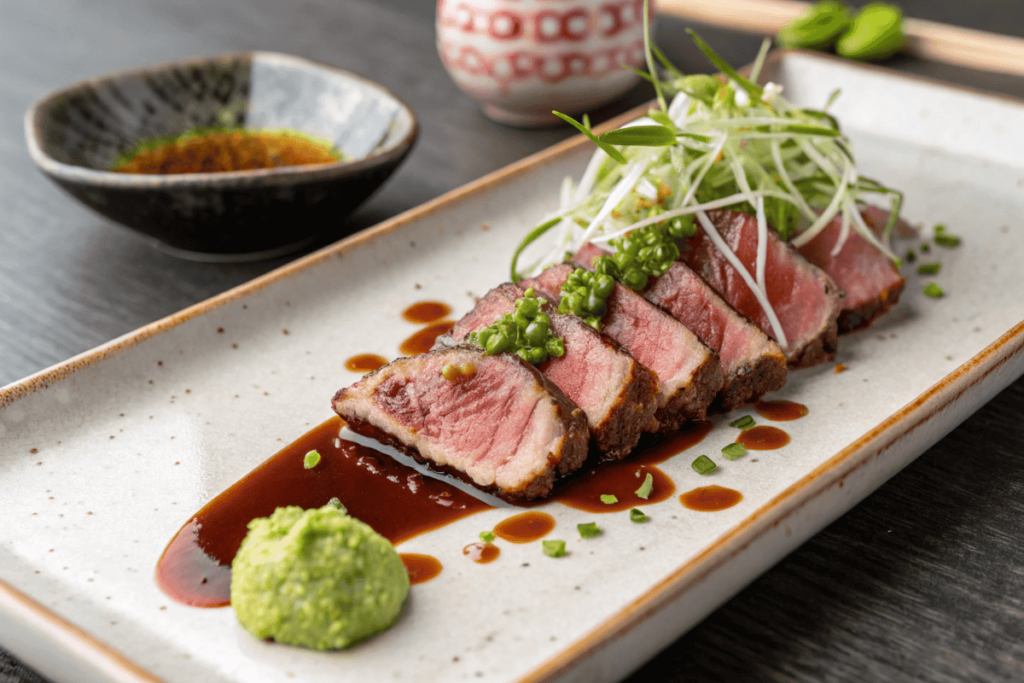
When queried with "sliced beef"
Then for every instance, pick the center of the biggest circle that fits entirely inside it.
(688, 373)
(806, 301)
(618, 394)
(752, 363)
(492, 420)
(869, 280)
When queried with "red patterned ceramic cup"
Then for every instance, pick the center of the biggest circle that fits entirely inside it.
(523, 58)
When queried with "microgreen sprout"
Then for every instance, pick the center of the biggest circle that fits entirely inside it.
(710, 143)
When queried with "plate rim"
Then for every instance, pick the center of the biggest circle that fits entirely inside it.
(942, 394)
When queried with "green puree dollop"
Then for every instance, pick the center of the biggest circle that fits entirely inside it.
(316, 578)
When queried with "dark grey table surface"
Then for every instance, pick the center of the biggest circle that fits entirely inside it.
(924, 580)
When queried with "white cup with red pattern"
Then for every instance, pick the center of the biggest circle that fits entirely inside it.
(524, 58)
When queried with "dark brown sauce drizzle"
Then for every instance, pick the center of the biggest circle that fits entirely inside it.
(780, 411)
(426, 312)
(621, 479)
(422, 341)
(365, 362)
(525, 527)
(482, 553)
(392, 498)
(421, 568)
(763, 438)
(710, 498)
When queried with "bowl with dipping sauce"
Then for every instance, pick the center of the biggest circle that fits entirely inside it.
(236, 157)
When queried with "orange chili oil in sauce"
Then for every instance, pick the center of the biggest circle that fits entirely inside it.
(421, 568)
(525, 527)
(395, 500)
(422, 341)
(482, 553)
(763, 438)
(230, 150)
(365, 362)
(780, 411)
(426, 312)
(710, 498)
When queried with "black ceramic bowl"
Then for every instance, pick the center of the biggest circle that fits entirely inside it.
(77, 134)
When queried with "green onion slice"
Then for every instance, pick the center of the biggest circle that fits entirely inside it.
(588, 530)
(637, 515)
(704, 465)
(734, 451)
(311, 460)
(645, 488)
(745, 422)
(609, 499)
(554, 548)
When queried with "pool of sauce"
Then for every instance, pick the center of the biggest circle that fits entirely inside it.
(482, 553)
(426, 312)
(622, 478)
(392, 498)
(780, 411)
(423, 340)
(421, 568)
(525, 527)
(365, 362)
(230, 150)
(763, 438)
(710, 498)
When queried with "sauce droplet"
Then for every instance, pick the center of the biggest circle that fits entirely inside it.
(710, 498)
(763, 438)
(525, 527)
(426, 312)
(780, 411)
(421, 568)
(482, 553)
(620, 479)
(357, 475)
(422, 341)
(365, 362)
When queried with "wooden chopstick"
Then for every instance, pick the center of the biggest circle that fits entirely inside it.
(926, 39)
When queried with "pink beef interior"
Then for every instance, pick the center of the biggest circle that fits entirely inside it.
(498, 426)
(797, 290)
(655, 339)
(859, 269)
(689, 300)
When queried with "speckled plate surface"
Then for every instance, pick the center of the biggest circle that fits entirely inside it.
(104, 457)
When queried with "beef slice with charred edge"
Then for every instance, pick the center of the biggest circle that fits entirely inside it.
(870, 282)
(752, 363)
(689, 374)
(805, 299)
(618, 394)
(498, 422)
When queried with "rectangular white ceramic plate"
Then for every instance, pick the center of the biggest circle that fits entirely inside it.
(104, 457)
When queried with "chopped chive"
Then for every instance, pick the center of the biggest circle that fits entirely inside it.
(554, 548)
(637, 515)
(588, 530)
(486, 536)
(745, 422)
(925, 248)
(734, 450)
(948, 241)
(645, 488)
(911, 256)
(704, 465)
(608, 499)
(929, 268)
(311, 460)
(933, 290)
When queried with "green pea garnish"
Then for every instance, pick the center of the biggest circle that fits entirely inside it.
(526, 332)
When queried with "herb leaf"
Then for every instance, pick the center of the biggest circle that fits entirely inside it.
(704, 465)
(554, 548)
(645, 488)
